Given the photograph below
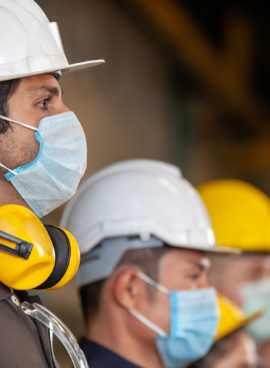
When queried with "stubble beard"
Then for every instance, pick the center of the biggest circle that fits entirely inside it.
(11, 156)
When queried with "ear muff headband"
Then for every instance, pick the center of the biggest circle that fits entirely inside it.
(61, 246)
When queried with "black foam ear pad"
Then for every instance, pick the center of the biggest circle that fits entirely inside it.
(62, 256)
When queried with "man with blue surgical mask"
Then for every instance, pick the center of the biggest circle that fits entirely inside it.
(42, 143)
(42, 150)
(144, 235)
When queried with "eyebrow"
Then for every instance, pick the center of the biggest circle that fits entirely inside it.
(56, 91)
(201, 265)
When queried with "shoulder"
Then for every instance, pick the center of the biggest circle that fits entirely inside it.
(5, 292)
(19, 334)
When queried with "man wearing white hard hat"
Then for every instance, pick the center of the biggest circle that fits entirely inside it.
(143, 232)
(36, 168)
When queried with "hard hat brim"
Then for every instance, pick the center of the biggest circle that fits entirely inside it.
(65, 68)
(214, 249)
(241, 324)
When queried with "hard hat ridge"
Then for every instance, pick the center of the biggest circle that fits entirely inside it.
(29, 43)
(153, 199)
(142, 198)
(240, 214)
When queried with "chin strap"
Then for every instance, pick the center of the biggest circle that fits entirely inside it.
(58, 328)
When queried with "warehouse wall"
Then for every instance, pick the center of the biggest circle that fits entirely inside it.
(124, 105)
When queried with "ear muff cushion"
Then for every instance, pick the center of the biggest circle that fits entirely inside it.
(62, 256)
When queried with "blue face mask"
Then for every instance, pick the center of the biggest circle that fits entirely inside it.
(256, 295)
(194, 321)
(53, 177)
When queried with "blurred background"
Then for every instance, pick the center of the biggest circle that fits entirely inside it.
(186, 82)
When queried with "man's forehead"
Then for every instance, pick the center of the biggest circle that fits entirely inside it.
(202, 262)
(37, 81)
(190, 257)
(40, 83)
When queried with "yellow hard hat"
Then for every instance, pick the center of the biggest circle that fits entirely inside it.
(232, 317)
(33, 255)
(240, 214)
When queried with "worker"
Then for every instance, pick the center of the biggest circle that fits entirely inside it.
(240, 214)
(234, 347)
(36, 168)
(144, 235)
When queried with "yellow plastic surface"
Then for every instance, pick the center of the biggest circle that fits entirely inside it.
(232, 317)
(16, 272)
(73, 263)
(240, 214)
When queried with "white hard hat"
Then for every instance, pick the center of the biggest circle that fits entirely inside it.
(143, 198)
(29, 43)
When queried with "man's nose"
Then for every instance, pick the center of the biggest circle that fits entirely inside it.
(63, 108)
(204, 282)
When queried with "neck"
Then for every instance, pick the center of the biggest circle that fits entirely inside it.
(110, 331)
(9, 195)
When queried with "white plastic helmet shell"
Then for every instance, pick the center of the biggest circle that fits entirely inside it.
(29, 43)
(139, 197)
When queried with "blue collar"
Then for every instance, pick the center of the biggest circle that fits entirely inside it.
(100, 357)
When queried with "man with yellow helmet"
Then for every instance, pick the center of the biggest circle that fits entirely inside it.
(240, 214)
(36, 168)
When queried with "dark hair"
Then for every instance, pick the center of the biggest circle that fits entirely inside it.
(145, 259)
(7, 88)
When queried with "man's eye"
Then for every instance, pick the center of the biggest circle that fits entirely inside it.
(44, 103)
(194, 276)
(256, 273)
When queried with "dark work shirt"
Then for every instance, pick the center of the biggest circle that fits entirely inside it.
(23, 342)
(100, 357)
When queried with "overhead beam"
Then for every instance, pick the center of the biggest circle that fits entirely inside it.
(223, 72)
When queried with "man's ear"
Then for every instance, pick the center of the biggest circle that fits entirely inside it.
(128, 287)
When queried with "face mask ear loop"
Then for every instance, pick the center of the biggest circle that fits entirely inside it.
(147, 322)
(153, 283)
(17, 122)
(159, 331)
(12, 172)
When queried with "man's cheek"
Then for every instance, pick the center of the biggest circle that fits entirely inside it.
(23, 151)
(34, 149)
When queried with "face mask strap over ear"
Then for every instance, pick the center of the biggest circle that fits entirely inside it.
(18, 122)
(23, 248)
(62, 249)
(153, 283)
(159, 331)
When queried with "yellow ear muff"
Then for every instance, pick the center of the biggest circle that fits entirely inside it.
(74, 261)
(67, 258)
(16, 271)
(33, 255)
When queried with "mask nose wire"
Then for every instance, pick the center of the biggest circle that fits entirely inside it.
(18, 122)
